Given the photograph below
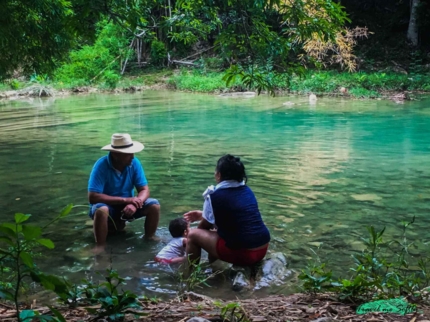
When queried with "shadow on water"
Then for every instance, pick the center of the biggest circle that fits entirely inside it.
(321, 173)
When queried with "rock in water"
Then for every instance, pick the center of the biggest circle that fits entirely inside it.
(312, 98)
(271, 271)
(241, 277)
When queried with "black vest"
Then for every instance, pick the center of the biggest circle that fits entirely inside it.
(238, 218)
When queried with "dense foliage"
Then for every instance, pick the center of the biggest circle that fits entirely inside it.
(82, 42)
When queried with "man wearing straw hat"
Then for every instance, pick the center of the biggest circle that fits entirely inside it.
(111, 191)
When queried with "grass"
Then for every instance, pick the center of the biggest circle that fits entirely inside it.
(360, 84)
(357, 85)
(195, 81)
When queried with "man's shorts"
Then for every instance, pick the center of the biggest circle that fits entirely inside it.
(115, 211)
(241, 257)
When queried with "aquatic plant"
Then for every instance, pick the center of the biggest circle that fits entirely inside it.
(192, 275)
(381, 270)
(114, 303)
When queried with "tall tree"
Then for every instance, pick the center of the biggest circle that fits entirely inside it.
(412, 34)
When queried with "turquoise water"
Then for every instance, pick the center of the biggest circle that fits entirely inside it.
(320, 172)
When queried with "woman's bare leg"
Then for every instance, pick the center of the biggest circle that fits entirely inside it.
(198, 239)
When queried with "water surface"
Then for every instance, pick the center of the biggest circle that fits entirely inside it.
(321, 172)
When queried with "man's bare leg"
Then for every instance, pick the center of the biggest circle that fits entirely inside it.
(100, 227)
(152, 217)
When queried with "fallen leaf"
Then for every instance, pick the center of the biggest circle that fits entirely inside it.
(258, 318)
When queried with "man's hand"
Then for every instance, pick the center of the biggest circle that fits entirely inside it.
(129, 211)
(136, 202)
(193, 215)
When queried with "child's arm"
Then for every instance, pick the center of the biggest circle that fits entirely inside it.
(193, 215)
(177, 260)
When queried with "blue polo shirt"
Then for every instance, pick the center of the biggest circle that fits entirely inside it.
(104, 178)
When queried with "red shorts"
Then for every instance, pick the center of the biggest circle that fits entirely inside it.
(241, 257)
(163, 260)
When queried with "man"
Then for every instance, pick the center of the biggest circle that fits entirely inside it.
(111, 191)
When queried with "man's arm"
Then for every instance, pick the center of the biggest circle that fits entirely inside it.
(94, 197)
(143, 193)
(138, 201)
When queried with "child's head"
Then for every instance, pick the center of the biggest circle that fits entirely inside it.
(230, 167)
(178, 227)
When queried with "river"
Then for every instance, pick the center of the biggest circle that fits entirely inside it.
(321, 172)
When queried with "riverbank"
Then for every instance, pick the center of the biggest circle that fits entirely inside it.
(297, 307)
(361, 85)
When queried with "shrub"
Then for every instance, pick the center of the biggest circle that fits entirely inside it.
(361, 92)
(158, 52)
(87, 64)
(111, 79)
(15, 84)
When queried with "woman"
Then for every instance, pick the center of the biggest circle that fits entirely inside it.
(241, 237)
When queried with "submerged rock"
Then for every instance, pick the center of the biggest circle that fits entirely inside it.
(238, 94)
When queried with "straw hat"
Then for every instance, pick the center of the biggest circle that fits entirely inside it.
(121, 142)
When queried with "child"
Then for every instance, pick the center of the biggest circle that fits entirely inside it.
(174, 251)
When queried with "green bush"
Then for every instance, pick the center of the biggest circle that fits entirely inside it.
(158, 52)
(15, 84)
(361, 92)
(85, 64)
(111, 79)
(88, 63)
(197, 82)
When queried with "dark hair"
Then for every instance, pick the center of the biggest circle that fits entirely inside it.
(177, 227)
(231, 168)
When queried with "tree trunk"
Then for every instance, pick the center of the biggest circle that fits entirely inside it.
(413, 23)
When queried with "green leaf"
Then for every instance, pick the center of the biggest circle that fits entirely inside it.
(57, 314)
(7, 240)
(4, 252)
(5, 294)
(26, 315)
(27, 259)
(66, 211)
(8, 229)
(46, 242)
(91, 310)
(31, 232)
(20, 218)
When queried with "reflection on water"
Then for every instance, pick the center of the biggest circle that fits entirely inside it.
(321, 172)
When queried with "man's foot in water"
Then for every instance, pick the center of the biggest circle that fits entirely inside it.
(98, 250)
